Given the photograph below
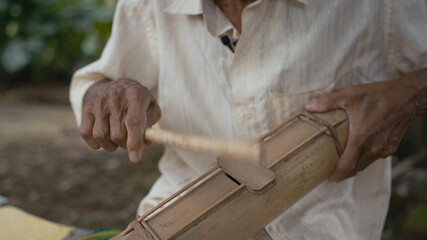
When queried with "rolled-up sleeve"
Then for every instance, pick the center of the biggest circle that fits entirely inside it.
(131, 52)
(409, 35)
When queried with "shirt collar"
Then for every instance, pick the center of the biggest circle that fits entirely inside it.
(185, 7)
(216, 22)
(194, 7)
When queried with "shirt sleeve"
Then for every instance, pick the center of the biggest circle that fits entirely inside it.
(409, 35)
(131, 52)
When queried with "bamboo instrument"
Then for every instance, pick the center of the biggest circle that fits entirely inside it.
(301, 152)
(245, 156)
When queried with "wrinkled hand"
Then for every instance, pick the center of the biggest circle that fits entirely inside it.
(379, 115)
(116, 113)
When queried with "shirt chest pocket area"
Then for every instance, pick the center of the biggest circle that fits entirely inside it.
(281, 105)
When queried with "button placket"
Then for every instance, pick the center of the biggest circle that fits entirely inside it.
(247, 115)
(251, 119)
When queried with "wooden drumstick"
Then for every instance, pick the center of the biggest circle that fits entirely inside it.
(232, 149)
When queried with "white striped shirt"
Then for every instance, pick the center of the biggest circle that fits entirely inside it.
(289, 52)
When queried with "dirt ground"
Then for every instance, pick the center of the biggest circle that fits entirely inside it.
(47, 170)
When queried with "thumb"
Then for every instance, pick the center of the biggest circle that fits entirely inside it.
(324, 103)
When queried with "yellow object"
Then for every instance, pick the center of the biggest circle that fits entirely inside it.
(17, 224)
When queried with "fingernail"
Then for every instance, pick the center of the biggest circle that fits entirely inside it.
(133, 156)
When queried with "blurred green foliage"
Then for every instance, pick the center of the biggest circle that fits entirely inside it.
(45, 41)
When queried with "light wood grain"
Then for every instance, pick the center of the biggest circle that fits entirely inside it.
(255, 177)
(231, 149)
(301, 155)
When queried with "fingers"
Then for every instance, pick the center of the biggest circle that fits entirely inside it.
(86, 130)
(117, 128)
(347, 162)
(135, 122)
(375, 148)
(366, 158)
(326, 102)
(135, 125)
(101, 133)
(394, 140)
(153, 113)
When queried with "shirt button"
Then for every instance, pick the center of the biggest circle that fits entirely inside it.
(247, 115)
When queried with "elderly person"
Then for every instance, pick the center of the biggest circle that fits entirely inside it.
(234, 69)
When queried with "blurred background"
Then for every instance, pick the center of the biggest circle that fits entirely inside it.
(46, 169)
